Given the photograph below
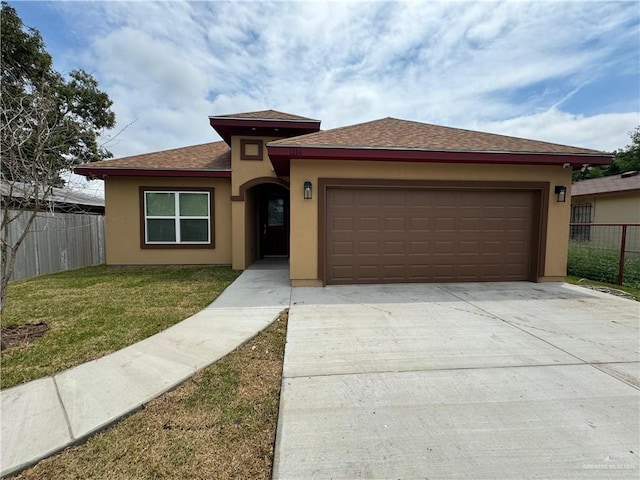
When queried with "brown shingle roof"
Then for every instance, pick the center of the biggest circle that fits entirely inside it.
(612, 184)
(266, 115)
(392, 133)
(208, 156)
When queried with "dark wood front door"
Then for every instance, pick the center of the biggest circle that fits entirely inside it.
(274, 224)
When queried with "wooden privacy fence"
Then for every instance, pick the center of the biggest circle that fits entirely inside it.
(58, 241)
(607, 252)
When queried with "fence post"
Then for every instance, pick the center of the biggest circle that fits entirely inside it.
(623, 246)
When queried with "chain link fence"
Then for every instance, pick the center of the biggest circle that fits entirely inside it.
(605, 252)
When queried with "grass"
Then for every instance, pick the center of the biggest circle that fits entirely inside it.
(583, 282)
(97, 310)
(219, 424)
(602, 265)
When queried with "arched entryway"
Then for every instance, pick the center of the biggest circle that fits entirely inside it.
(260, 215)
(272, 214)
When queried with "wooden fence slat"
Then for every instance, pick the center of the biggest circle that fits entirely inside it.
(58, 241)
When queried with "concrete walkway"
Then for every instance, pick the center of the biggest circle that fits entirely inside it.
(42, 417)
(477, 381)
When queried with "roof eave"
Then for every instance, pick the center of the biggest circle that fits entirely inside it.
(281, 156)
(607, 192)
(225, 127)
(149, 172)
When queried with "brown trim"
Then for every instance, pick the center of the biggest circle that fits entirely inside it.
(145, 172)
(244, 156)
(590, 224)
(540, 192)
(180, 246)
(256, 181)
(281, 156)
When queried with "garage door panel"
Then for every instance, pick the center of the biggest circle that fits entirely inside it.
(369, 224)
(393, 248)
(423, 235)
(419, 224)
(342, 248)
(418, 247)
(369, 198)
(342, 224)
(369, 248)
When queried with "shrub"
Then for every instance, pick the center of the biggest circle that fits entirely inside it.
(602, 265)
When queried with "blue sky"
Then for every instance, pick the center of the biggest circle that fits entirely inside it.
(561, 71)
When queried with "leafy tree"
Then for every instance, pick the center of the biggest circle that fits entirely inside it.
(49, 123)
(624, 160)
(628, 158)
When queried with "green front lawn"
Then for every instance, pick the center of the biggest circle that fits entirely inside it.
(97, 310)
(219, 424)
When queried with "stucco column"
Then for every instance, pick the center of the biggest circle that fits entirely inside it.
(238, 235)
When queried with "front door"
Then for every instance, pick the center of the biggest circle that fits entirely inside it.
(274, 223)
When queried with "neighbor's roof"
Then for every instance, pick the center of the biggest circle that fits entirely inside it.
(614, 184)
(208, 159)
(392, 133)
(61, 198)
(266, 115)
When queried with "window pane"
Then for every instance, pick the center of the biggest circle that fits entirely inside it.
(194, 204)
(194, 230)
(276, 212)
(160, 204)
(161, 230)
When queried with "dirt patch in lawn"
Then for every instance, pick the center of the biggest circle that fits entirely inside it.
(21, 335)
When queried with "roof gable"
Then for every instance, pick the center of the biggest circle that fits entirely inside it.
(268, 123)
(267, 115)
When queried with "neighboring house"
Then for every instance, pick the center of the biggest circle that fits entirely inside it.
(613, 199)
(17, 195)
(383, 201)
(67, 232)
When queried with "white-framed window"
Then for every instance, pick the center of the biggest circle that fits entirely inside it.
(177, 217)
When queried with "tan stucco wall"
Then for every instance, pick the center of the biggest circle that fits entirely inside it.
(251, 228)
(622, 208)
(246, 170)
(243, 212)
(238, 228)
(304, 214)
(122, 199)
(616, 208)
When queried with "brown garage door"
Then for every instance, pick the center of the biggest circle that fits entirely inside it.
(378, 235)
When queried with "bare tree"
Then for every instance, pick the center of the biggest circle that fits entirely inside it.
(26, 134)
(48, 123)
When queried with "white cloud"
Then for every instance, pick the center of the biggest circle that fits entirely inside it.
(487, 65)
(607, 132)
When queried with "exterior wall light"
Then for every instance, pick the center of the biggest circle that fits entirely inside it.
(307, 190)
(561, 193)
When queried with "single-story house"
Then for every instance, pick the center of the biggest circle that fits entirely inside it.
(21, 196)
(383, 201)
(67, 229)
(608, 200)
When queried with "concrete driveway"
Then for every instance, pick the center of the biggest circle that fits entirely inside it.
(482, 381)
